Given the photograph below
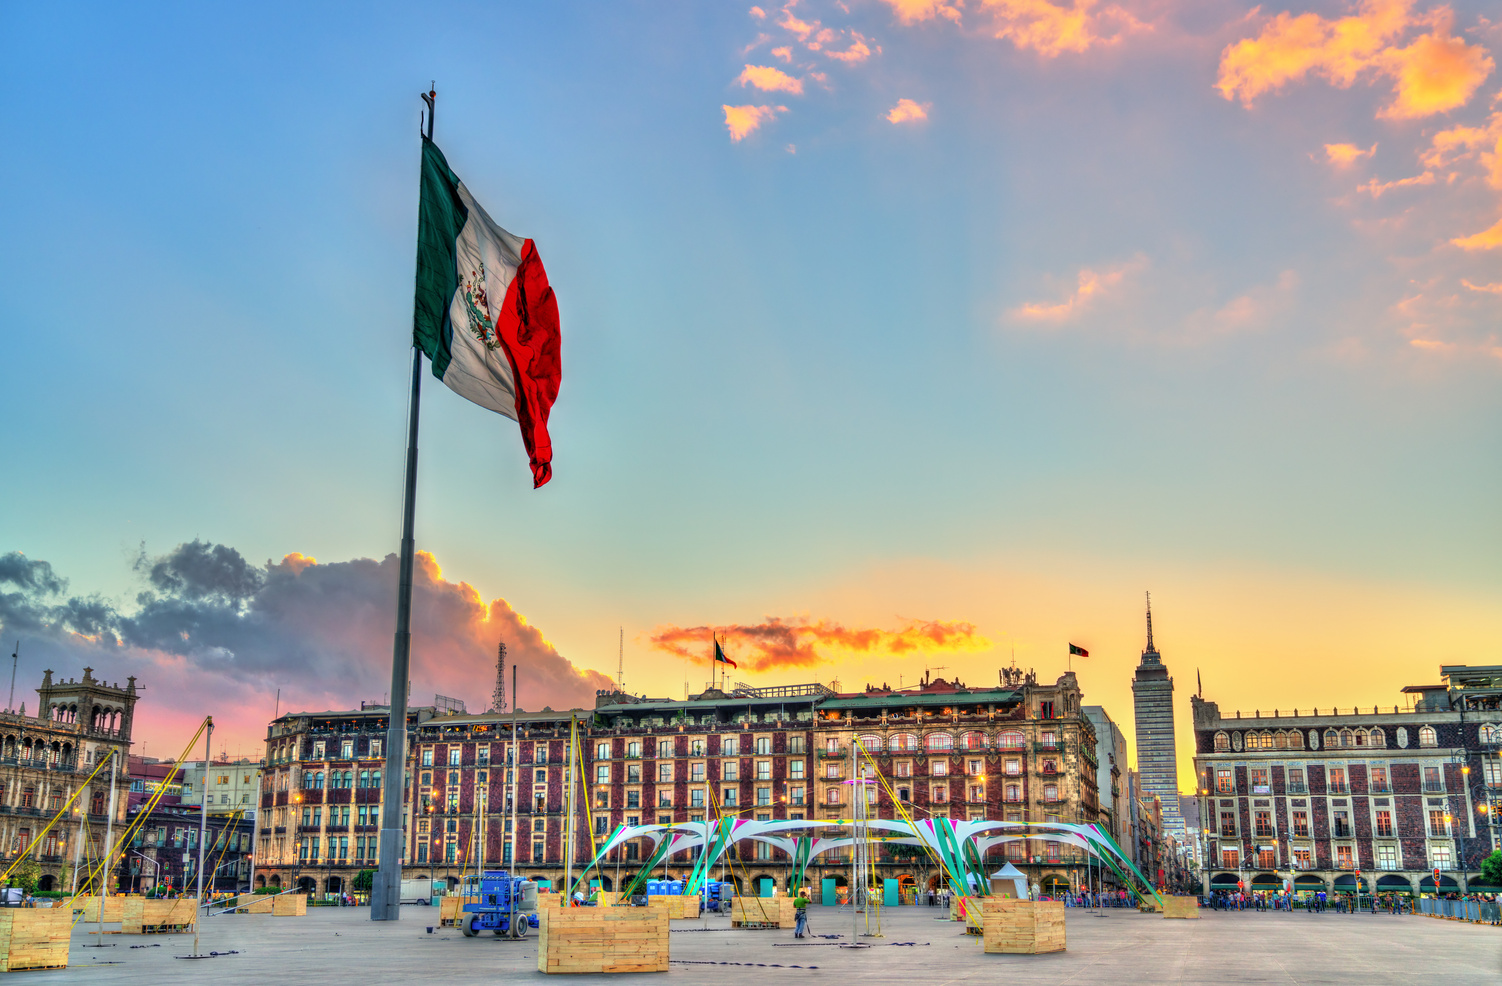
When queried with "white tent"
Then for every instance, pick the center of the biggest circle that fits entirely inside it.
(1010, 872)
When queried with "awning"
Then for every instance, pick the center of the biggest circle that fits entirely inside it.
(1445, 883)
(1224, 879)
(1394, 883)
(1348, 882)
(1309, 880)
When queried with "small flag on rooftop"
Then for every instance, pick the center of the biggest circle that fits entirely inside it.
(719, 654)
(1078, 651)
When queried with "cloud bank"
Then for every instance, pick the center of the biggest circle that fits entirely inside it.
(777, 642)
(212, 634)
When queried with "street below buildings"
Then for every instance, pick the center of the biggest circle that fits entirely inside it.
(1105, 946)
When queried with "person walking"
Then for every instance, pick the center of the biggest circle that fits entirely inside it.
(800, 913)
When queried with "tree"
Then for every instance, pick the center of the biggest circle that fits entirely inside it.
(363, 881)
(25, 874)
(1491, 868)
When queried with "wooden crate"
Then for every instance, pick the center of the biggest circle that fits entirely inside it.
(679, 905)
(256, 904)
(143, 916)
(86, 908)
(762, 912)
(1181, 907)
(1022, 927)
(602, 939)
(34, 938)
(290, 905)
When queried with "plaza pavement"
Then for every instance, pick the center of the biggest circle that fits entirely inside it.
(339, 946)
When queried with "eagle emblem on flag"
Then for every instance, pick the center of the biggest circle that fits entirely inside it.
(477, 307)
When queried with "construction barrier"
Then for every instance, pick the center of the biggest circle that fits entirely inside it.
(753, 913)
(1023, 927)
(289, 906)
(87, 908)
(144, 916)
(34, 938)
(451, 908)
(1181, 907)
(679, 905)
(256, 903)
(602, 939)
(1482, 911)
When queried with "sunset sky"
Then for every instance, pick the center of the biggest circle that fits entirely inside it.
(897, 334)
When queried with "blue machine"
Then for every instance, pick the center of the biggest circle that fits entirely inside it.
(717, 895)
(507, 906)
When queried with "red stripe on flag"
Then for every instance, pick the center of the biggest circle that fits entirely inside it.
(529, 333)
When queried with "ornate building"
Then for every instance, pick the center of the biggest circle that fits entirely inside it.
(45, 758)
(1317, 796)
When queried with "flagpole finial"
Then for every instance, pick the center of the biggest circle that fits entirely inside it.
(430, 97)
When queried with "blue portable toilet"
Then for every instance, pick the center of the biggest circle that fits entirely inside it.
(830, 896)
(766, 886)
(889, 893)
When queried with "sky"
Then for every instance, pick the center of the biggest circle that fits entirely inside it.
(899, 337)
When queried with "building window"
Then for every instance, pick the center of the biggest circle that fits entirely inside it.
(795, 769)
(763, 770)
(1384, 823)
(1262, 825)
(973, 741)
(696, 797)
(832, 796)
(730, 770)
(1433, 781)
(1050, 792)
(977, 792)
(696, 748)
(664, 773)
(904, 768)
(1223, 783)
(1014, 792)
(540, 753)
(763, 746)
(940, 741)
(1342, 823)
(1228, 824)
(1439, 857)
(1230, 859)
(1048, 739)
(730, 796)
(1343, 858)
(1260, 783)
(1387, 857)
(1012, 766)
(633, 773)
(1222, 742)
(763, 796)
(1011, 740)
(427, 756)
(1379, 780)
(1267, 859)
(1296, 781)
(602, 773)
(1301, 857)
(940, 793)
(1427, 736)
(939, 768)
(1438, 826)
(975, 767)
(1338, 781)
(797, 794)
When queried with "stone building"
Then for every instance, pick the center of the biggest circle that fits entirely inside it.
(230, 785)
(1018, 752)
(164, 851)
(45, 758)
(1110, 774)
(1315, 797)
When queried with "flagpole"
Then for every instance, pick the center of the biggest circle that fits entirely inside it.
(386, 892)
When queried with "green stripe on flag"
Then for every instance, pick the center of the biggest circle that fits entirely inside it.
(440, 217)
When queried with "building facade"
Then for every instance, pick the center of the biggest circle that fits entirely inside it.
(45, 759)
(230, 785)
(1110, 774)
(1320, 799)
(164, 850)
(1157, 757)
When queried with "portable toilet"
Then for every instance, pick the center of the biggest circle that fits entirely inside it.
(831, 895)
(889, 893)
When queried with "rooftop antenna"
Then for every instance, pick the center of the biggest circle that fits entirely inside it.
(1150, 622)
(15, 658)
(620, 666)
(498, 696)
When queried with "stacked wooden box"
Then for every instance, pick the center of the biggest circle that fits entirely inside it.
(451, 909)
(602, 939)
(1023, 927)
(679, 905)
(256, 903)
(1181, 907)
(762, 912)
(143, 916)
(88, 908)
(289, 906)
(34, 938)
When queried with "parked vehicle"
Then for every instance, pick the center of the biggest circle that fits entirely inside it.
(507, 906)
(418, 891)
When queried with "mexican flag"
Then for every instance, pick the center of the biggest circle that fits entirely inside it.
(484, 314)
(719, 654)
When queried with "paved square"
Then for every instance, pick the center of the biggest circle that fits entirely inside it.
(341, 945)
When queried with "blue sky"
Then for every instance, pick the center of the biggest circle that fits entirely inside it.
(1087, 328)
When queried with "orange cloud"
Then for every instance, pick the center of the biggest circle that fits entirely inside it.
(801, 29)
(742, 121)
(1460, 143)
(907, 111)
(758, 13)
(1377, 188)
(1487, 288)
(1434, 74)
(1091, 285)
(1487, 239)
(1345, 155)
(913, 11)
(770, 79)
(785, 53)
(1051, 28)
(777, 642)
(858, 52)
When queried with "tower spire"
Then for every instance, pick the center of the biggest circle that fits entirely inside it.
(498, 696)
(1150, 622)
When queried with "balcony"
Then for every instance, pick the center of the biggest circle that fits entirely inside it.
(828, 754)
(1433, 788)
(1292, 789)
(1046, 748)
